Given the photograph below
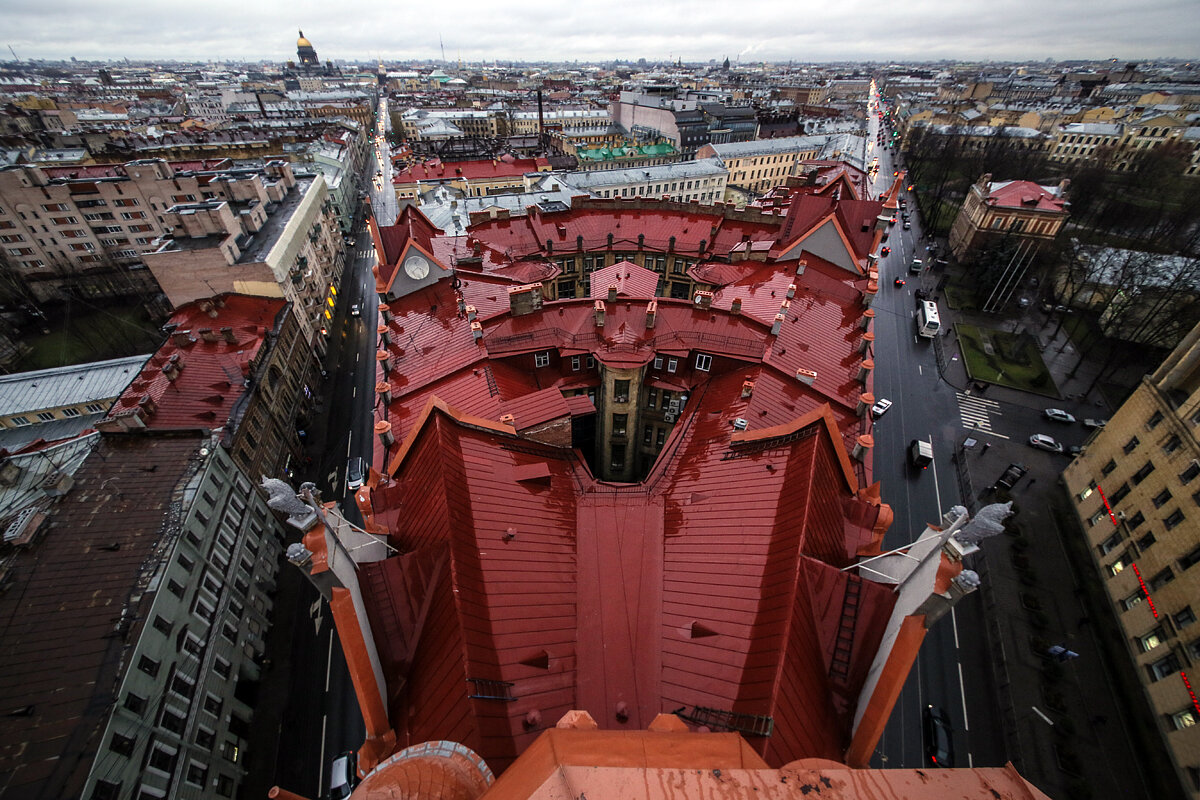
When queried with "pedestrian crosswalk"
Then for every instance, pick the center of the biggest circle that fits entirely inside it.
(976, 413)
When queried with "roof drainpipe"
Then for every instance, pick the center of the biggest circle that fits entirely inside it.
(383, 429)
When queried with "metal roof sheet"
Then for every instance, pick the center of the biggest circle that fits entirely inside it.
(27, 392)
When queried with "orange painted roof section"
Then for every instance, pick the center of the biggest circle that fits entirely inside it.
(1024, 194)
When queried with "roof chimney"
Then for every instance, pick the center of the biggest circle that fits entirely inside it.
(508, 419)
(227, 334)
(612, 293)
(651, 313)
(864, 370)
(801, 267)
(598, 313)
(472, 312)
(385, 336)
(806, 376)
(147, 405)
(385, 360)
(777, 325)
(791, 292)
(207, 335)
(476, 330)
(384, 390)
(867, 317)
(747, 388)
(865, 343)
(183, 339)
(524, 299)
(703, 299)
(735, 307)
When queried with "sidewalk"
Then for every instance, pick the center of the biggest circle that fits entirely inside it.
(1067, 727)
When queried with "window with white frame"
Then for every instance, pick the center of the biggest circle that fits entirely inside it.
(541, 359)
(703, 362)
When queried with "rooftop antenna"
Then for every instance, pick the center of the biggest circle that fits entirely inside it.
(443, 46)
(14, 52)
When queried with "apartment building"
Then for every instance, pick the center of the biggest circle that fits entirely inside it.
(156, 562)
(523, 123)
(686, 181)
(279, 237)
(61, 402)
(1085, 141)
(476, 178)
(233, 363)
(761, 165)
(89, 228)
(414, 122)
(1136, 493)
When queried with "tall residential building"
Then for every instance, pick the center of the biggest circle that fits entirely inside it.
(88, 229)
(1137, 494)
(762, 165)
(137, 602)
(277, 239)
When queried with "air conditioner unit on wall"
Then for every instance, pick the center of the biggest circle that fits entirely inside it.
(668, 417)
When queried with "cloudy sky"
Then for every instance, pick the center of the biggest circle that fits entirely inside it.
(695, 30)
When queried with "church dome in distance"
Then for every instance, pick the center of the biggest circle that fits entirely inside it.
(302, 42)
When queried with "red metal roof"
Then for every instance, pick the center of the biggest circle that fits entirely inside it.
(211, 375)
(483, 169)
(1024, 194)
(630, 280)
(586, 594)
(655, 597)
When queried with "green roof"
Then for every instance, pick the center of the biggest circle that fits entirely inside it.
(612, 153)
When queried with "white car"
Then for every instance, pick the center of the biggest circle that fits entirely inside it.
(880, 408)
(1043, 442)
(1058, 415)
(1094, 423)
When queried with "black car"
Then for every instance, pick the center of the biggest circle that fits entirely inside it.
(1011, 475)
(939, 738)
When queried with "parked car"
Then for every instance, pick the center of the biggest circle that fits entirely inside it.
(354, 473)
(939, 738)
(1058, 415)
(1094, 423)
(1013, 473)
(343, 776)
(1043, 442)
(880, 408)
(907, 225)
(356, 310)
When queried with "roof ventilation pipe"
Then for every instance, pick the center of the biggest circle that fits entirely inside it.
(598, 313)
(865, 401)
(866, 320)
(385, 336)
(383, 429)
(869, 293)
(864, 370)
(864, 345)
(385, 361)
(384, 390)
(862, 447)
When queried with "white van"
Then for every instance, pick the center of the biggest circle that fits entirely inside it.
(928, 322)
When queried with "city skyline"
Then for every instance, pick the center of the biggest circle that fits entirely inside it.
(925, 30)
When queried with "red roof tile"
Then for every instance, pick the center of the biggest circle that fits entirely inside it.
(483, 169)
(630, 280)
(1023, 194)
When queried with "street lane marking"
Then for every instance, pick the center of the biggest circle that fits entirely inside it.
(329, 661)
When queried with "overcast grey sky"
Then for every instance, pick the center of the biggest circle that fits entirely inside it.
(696, 30)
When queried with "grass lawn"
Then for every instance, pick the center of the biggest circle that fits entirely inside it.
(1005, 358)
(961, 298)
(93, 335)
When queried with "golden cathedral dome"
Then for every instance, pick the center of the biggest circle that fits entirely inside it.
(302, 42)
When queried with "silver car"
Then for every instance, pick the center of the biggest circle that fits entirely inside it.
(1058, 415)
(1043, 442)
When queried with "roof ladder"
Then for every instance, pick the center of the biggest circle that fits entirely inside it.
(485, 689)
(718, 719)
(493, 389)
(843, 646)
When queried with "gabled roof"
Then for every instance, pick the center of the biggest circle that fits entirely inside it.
(630, 280)
(64, 386)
